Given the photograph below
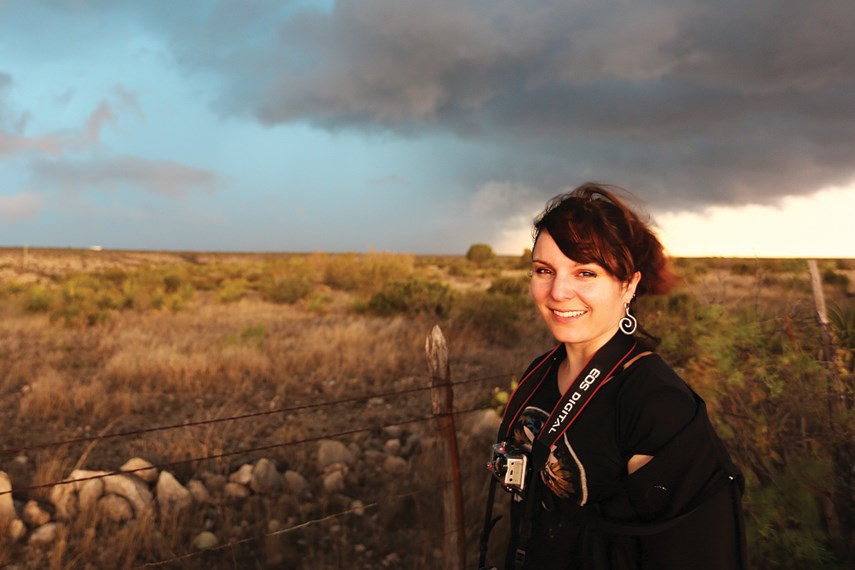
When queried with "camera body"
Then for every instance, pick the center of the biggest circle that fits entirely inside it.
(509, 464)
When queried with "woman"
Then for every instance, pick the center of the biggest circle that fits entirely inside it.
(624, 468)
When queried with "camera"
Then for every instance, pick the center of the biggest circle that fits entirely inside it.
(509, 464)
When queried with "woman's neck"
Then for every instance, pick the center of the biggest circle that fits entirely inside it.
(578, 355)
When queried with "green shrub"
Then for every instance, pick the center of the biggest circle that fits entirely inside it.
(366, 274)
(496, 317)
(411, 297)
(38, 299)
(510, 286)
(171, 282)
(250, 335)
(319, 303)
(286, 289)
(524, 261)
(459, 268)
(232, 290)
(480, 253)
(831, 277)
(743, 268)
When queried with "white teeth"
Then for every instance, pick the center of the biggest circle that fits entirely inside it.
(567, 314)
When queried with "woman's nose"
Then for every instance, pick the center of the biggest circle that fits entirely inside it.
(562, 288)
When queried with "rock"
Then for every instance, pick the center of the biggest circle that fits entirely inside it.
(392, 446)
(16, 530)
(242, 476)
(358, 508)
(355, 449)
(115, 508)
(34, 515)
(334, 482)
(394, 432)
(89, 492)
(235, 491)
(395, 465)
(64, 500)
(131, 488)
(295, 482)
(141, 468)
(171, 495)
(331, 451)
(214, 483)
(392, 560)
(205, 540)
(198, 491)
(44, 535)
(80, 477)
(7, 505)
(374, 457)
(265, 477)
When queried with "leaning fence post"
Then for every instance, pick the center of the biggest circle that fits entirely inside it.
(838, 410)
(442, 397)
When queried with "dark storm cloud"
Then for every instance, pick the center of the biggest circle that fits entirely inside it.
(687, 103)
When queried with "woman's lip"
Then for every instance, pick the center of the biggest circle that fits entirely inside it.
(568, 314)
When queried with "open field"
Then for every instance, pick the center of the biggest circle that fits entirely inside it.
(100, 343)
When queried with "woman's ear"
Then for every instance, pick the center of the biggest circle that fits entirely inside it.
(630, 286)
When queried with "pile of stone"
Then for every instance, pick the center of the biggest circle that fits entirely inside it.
(139, 489)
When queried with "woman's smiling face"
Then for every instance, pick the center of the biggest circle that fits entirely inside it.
(581, 303)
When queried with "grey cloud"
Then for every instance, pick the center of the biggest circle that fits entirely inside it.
(24, 205)
(686, 103)
(102, 114)
(158, 177)
(14, 139)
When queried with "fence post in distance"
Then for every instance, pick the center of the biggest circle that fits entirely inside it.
(442, 398)
(838, 411)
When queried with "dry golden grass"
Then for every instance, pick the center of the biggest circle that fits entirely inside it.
(216, 356)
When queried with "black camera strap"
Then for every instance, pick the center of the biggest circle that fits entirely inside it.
(596, 372)
(599, 370)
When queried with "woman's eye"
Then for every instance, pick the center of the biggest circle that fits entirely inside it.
(587, 274)
(541, 271)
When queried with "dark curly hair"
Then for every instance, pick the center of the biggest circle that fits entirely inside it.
(591, 224)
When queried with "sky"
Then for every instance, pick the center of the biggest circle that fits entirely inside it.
(424, 126)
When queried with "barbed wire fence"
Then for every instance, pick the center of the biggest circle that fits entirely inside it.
(443, 417)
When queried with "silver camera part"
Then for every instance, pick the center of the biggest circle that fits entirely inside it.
(509, 465)
(516, 472)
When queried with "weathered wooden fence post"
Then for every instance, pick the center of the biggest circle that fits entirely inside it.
(838, 411)
(836, 392)
(442, 397)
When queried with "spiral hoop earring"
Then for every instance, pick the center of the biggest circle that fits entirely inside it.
(628, 324)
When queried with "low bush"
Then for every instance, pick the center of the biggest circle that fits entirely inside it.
(368, 273)
(286, 282)
(832, 277)
(232, 290)
(411, 297)
(496, 317)
(480, 253)
(514, 286)
(38, 299)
